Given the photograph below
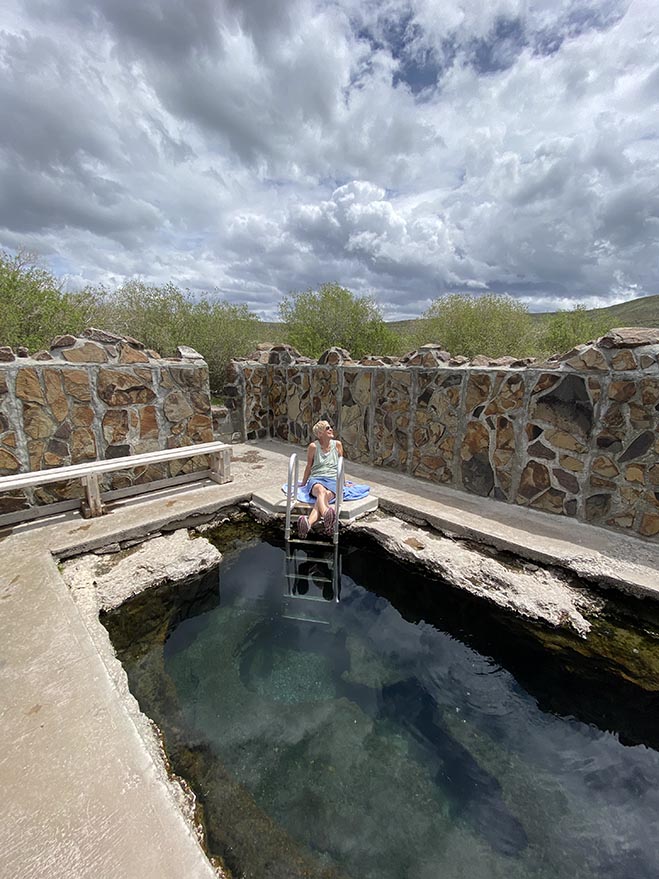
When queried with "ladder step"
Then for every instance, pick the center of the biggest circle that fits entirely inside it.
(308, 577)
(321, 559)
(306, 620)
(308, 542)
(309, 598)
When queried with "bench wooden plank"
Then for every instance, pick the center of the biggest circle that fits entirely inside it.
(219, 471)
(78, 471)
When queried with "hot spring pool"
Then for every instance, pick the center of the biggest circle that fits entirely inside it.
(422, 737)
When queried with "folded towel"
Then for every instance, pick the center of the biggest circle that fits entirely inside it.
(351, 490)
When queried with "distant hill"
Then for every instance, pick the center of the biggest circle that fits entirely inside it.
(643, 312)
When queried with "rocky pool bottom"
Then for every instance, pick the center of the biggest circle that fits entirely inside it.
(408, 731)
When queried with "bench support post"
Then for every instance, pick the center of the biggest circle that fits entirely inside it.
(94, 504)
(220, 466)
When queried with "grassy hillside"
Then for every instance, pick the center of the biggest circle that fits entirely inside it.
(643, 312)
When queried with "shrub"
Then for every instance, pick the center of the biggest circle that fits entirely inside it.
(565, 329)
(332, 315)
(33, 306)
(491, 324)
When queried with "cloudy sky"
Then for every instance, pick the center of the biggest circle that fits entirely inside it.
(403, 149)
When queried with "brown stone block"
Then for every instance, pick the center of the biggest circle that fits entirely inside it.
(630, 337)
(571, 463)
(76, 384)
(9, 439)
(35, 450)
(476, 440)
(200, 402)
(534, 479)
(63, 342)
(566, 480)
(55, 394)
(638, 447)
(600, 482)
(544, 382)
(622, 391)
(13, 503)
(28, 386)
(479, 387)
(121, 388)
(624, 520)
(597, 506)
(82, 416)
(623, 360)
(505, 434)
(128, 354)
(115, 425)
(540, 450)
(502, 458)
(148, 423)
(649, 525)
(176, 407)
(635, 473)
(653, 474)
(83, 445)
(604, 466)
(59, 491)
(649, 391)
(551, 500)
(150, 473)
(88, 352)
(590, 358)
(563, 440)
(640, 416)
(200, 429)
(37, 421)
(6, 354)
(8, 463)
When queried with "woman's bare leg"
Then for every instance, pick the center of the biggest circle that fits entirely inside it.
(323, 497)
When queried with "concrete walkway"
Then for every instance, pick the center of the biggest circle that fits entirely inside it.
(84, 793)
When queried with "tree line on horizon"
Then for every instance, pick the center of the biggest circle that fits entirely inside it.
(35, 308)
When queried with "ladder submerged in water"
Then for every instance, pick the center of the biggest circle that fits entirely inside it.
(312, 562)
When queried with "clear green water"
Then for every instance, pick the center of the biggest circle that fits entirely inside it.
(424, 742)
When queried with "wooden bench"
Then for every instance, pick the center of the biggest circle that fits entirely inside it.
(219, 471)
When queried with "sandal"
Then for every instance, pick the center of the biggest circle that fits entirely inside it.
(303, 526)
(328, 520)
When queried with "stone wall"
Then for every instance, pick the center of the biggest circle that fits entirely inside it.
(95, 397)
(575, 435)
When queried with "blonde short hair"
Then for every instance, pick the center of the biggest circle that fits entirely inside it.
(318, 426)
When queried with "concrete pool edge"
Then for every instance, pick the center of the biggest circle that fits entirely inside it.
(83, 789)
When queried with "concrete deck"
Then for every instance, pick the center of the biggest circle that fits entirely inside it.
(84, 795)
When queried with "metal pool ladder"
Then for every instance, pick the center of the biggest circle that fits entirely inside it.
(321, 552)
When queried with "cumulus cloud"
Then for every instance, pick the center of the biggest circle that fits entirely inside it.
(403, 149)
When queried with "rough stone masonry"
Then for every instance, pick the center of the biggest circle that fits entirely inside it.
(95, 397)
(574, 435)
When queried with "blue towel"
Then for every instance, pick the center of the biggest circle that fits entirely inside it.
(351, 490)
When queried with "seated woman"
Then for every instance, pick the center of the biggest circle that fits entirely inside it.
(320, 477)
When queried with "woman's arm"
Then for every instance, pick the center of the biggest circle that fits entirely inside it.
(339, 448)
(311, 451)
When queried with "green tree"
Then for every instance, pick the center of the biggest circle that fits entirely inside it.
(491, 324)
(220, 331)
(164, 317)
(33, 306)
(332, 315)
(565, 329)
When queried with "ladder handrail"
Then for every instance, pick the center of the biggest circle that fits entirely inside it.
(291, 492)
(291, 495)
(340, 478)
